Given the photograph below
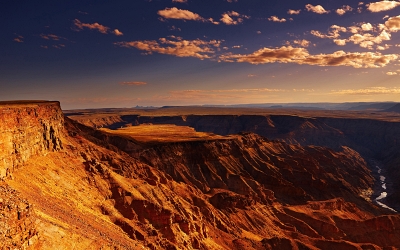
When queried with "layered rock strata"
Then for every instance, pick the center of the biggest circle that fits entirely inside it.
(28, 129)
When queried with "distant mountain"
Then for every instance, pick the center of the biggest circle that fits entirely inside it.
(321, 106)
(395, 108)
(376, 106)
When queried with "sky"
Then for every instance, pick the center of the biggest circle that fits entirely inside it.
(98, 54)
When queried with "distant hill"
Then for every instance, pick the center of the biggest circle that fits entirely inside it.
(376, 106)
(395, 108)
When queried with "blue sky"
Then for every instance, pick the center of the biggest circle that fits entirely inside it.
(90, 54)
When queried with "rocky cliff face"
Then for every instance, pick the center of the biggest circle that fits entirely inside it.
(75, 187)
(17, 224)
(28, 130)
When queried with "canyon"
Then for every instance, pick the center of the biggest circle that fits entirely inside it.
(196, 179)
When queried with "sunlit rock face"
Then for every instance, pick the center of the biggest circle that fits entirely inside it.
(76, 187)
(28, 129)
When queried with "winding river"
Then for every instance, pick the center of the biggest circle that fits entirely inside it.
(383, 194)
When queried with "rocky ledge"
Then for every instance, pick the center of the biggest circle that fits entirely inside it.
(28, 128)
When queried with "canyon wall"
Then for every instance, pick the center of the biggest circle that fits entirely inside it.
(369, 137)
(28, 129)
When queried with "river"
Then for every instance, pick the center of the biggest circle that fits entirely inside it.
(383, 192)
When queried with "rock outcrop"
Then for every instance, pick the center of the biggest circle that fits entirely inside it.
(17, 223)
(28, 129)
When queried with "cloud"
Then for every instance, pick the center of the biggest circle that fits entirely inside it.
(301, 56)
(93, 26)
(340, 42)
(368, 40)
(19, 39)
(382, 6)
(367, 91)
(343, 10)
(133, 83)
(293, 12)
(179, 1)
(359, 35)
(51, 37)
(276, 19)
(175, 13)
(391, 73)
(367, 27)
(303, 42)
(316, 9)
(117, 32)
(393, 23)
(333, 33)
(232, 18)
(176, 47)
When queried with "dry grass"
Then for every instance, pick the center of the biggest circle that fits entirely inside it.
(163, 133)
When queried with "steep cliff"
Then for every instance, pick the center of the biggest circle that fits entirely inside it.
(28, 129)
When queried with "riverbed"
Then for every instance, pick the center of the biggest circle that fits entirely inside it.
(382, 190)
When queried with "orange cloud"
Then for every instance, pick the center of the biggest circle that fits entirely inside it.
(117, 32)
(176, 47)
(367, 91)
(316, 9)
(276, 19)
(393, 23)
(175, 13)
(382, 6)
(232, 18)
(293, 12)
(93, 26)
(51, 36)
(301, 56)
(133, 83)
(343, 10)
(303, 42)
